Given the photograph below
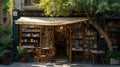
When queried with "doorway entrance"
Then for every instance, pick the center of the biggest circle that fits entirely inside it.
(60, 43)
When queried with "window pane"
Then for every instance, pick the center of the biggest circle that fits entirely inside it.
(36, 1)
(27, 2)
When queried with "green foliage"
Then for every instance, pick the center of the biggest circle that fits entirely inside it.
(56, 7)
(63, 7)
(8, 5)
(67, 7)
(115, 7)
(112, 54)
(102, 7)
(22, 52)
(5, 39)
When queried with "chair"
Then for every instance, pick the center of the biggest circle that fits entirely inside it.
(45, 54)
(41, 56)
(51, 53)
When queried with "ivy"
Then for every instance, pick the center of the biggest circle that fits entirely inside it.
(8, 6)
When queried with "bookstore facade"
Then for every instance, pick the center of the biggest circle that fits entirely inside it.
(52, 37)
(71, 38)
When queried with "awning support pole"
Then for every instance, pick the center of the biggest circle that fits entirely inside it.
(40, 37)
(53, 36)
(70, 43)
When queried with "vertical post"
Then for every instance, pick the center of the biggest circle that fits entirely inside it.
(66, 33)
(70, 43)
(83, 39)
(52, 36)
(40, 37)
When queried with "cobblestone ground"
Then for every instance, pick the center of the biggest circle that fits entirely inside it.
(57, 64)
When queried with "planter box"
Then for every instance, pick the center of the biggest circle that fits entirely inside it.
(114, 61)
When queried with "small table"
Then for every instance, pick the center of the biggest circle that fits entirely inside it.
(95, 53)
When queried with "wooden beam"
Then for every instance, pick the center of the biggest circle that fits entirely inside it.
(83, 39)
(70, 43)
(101, 31)
(41, 27)
(53, 36)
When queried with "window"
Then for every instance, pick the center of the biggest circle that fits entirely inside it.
(36, 1)
(29, 2)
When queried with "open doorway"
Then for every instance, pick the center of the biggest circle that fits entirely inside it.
(60, 43)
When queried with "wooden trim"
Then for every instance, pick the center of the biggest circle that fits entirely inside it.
(27, 2)
(41, 36)
(83, 39)
(53, 37)
(70, 43)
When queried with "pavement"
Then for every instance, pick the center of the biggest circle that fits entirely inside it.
(57, 64)
(34, 64)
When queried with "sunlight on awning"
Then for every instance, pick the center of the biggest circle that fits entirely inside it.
(48, 21)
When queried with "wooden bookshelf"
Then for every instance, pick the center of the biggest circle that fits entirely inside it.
(84, 40)
(30, 35)
(35, 37)
(113, 30)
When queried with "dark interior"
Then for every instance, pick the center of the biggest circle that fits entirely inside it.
(60, 44)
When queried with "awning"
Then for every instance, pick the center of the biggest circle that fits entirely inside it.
(47, 21)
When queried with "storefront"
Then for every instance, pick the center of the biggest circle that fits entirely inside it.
(42, 33)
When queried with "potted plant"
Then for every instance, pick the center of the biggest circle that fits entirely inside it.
(22, 54)
(5, 41)
(113, 57)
